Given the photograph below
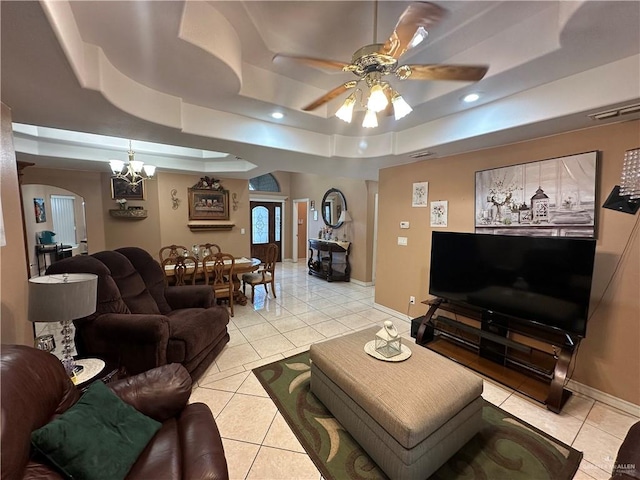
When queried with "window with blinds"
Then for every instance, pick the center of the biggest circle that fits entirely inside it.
(64, 219)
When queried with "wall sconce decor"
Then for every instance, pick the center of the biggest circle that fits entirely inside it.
(234, 200)
(174, 199)
(313, 205)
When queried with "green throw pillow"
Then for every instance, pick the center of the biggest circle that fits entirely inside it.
(100, 437)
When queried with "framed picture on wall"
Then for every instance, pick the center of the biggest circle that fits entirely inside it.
(122, 189)
(420, 194)
(554, 197)
(207, 204)
(38, 205)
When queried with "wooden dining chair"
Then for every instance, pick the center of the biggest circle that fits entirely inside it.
(218, 272)
(172, 251)
(184, 268)
(208, 249)
(266, 273)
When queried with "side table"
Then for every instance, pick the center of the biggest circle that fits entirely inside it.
(94, 369)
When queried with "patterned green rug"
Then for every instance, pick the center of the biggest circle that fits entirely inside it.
(506, 448)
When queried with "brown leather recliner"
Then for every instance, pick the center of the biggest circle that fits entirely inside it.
(35, 389)
(627, 466)
(139, 322)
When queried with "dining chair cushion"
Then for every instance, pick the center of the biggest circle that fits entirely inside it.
(256, 277)
(131, 285)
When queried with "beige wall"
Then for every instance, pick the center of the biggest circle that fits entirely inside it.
(609, 358)
(13, 261)
(29, 193)
(359, 196)
(173, 224)
(88, 185)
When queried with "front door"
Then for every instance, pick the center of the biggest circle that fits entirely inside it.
(266, 227)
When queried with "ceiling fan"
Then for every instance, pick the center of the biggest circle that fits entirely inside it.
(372, 62)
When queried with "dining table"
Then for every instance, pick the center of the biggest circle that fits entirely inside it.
(241, 265)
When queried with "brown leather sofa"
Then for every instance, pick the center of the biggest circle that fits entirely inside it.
(35, 389)
(139, 322)
(627, 466)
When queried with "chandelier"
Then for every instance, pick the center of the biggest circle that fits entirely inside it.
(134, 171)
(381, 95)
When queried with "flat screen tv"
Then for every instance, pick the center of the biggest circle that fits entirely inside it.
(545, 280)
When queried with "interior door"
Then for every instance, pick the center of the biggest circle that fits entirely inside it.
(266, 227)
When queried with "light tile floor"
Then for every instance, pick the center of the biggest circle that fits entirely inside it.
(259, 444)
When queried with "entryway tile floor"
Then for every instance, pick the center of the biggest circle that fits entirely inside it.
(259, 444)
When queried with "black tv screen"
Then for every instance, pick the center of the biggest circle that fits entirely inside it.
(546, 280)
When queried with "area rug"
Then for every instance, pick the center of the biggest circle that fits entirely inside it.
(505, 448)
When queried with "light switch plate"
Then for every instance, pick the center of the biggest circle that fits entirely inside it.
(402, 241)
(404, 224)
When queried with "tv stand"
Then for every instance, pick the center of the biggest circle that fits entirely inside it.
(537, 369)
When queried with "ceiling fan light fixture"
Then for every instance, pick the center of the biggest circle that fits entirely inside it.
(377, 99)
(345, 112)
(400, 107)
(370, 119)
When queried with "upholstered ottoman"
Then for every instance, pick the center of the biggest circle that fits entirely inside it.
(409, 416)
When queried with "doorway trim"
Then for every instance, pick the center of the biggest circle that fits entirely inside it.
(294, 228)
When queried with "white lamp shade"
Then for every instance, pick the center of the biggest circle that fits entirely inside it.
(345, 112)
(370, 119)
(377, 99)
(149, 170)
(400, 107)
(116, 166)
(344, 217)
(55, 298)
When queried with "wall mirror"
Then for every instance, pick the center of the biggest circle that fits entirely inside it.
(333, 204)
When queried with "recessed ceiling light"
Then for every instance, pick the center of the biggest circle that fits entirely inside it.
(277, 115)
(472, 97)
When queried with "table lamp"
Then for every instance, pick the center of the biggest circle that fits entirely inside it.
(63, 298)
(344, 218)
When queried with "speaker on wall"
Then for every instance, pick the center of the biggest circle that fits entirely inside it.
(621, 203)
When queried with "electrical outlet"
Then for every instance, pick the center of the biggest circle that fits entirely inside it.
(402, 241)
(412, 300)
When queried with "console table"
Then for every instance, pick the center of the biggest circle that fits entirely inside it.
(329, 259)
(496, 346)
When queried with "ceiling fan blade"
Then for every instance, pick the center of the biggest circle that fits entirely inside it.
(467, 73)
(331, 65)
(327, 97)
(414, 21)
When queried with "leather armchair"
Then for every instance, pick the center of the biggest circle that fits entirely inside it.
(35, 389)
(627, 466)
(139, 322)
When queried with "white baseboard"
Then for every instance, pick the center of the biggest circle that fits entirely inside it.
(361, 283)
(401, 316)
(615, 402)
(606, 398)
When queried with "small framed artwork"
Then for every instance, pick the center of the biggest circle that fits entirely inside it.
(38, 205)
(122, 189)
(207, 204)
(420, 194)
(439, 213)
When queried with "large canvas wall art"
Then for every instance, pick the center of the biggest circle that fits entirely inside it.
(554, 197)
